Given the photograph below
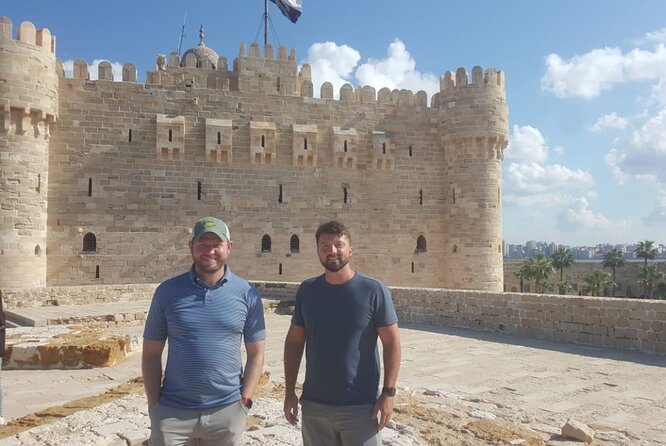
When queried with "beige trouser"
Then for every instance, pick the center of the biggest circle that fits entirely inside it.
(221, 426)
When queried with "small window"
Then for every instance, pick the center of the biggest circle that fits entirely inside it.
(38, 250)
(454, 195)
(412, 267)
(294, 244)
(384, 148)
(280, 269)
(410, 150)
(266, 243)
(305, 144)
(39, 183)
(345, 195)
(170, 135)
(455, 248)
(97, 272)
(421, 244)
(344, 146)
(89, 242)
(198, 190)
(280, 198)
(278, 84)
(421, 197)
(130, 135)
(219, 137)
(90, 187)
(263, 141)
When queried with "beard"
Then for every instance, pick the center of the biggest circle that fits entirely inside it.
(334, 265)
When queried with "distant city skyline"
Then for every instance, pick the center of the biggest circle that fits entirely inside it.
(580, 252)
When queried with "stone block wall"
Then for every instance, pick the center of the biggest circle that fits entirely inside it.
(627, 324)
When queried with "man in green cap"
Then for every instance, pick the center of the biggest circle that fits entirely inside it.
(204, 313)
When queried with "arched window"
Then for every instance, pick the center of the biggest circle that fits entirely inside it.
(294, 244)
(89, 242)
(266, 243)
(421, 244)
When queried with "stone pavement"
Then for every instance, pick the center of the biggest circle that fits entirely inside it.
(606, 389)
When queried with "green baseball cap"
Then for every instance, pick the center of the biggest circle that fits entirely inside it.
(211, 224)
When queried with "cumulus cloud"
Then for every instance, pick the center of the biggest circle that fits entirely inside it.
(396, 70)
(332, 63)
(338, 64)
(533, 184)
(589, 74)
(610, 121)
(658, 36)
(643, 156)
(580, 216)
(527, 144)
(658, 215)
(93, 69)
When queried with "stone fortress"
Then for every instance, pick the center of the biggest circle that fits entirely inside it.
(101, 181)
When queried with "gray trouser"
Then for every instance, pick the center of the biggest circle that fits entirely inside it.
(222, 426)
(325, 425)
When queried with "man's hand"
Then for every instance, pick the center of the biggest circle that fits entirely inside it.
(384, 405)
(291, 407)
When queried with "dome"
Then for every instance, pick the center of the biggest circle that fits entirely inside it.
(205, 57)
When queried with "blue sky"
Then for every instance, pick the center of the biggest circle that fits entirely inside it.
(586, 84)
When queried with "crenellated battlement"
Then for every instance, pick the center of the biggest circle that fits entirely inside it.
(460, 79)
(27, 33)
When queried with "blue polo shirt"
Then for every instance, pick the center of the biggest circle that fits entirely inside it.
(204, 326)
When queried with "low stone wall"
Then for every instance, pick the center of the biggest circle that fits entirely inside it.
(629, 324)
(75, 295)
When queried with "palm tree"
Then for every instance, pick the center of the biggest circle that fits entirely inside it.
(523, 274)
(541, 269)
(649, 277)
(613, 259)
(597, 281)
(562, 258)
(646, 250)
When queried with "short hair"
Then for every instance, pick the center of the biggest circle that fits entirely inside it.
(333, 227)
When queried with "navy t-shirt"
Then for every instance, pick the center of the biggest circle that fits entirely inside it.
(342, 359)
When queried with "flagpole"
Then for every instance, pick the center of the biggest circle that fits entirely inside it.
(265, 23)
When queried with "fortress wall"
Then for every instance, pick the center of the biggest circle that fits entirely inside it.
(628, 324)
(141, 205)
(28, 108)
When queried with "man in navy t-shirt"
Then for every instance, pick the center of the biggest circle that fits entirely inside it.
(337, 320)
(205, 314)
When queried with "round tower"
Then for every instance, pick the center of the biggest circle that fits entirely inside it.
(473, 124)
(28, 107)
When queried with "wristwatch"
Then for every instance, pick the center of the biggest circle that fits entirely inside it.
(247, 402)
(388, 391)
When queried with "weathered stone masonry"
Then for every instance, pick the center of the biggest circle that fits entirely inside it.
(102, 180)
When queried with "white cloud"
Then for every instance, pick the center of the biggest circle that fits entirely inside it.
(643, 156)
(580, 216)
(610, 121)
(397, 70)
(658, 215)
(533, 184)
(93, 69)
(658, 36)
(589, 74)
(337, 64)
(332, 63)
(527, 144)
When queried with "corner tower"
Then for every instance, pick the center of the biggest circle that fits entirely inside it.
(28, 108)
(473, 124)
